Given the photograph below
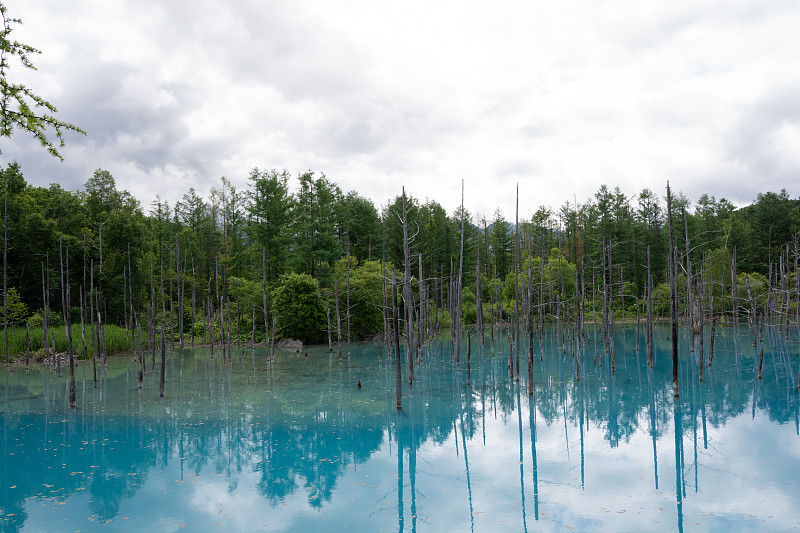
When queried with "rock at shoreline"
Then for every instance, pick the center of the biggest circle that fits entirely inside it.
(63, 357)
(289, 344)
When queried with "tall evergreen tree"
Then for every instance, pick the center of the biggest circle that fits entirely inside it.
(270, 210)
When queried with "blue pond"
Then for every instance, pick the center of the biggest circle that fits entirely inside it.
(295, 445)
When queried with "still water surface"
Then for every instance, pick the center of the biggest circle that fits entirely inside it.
(297, 446)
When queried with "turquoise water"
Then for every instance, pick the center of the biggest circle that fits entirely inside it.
(297, 446)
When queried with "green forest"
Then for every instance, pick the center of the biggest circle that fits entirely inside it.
(239, 265)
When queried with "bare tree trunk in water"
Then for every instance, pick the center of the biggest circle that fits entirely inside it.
(469, 358)
(713, 319)
(46, 343)
(516, 288)
(398, 375)
(348, 298)
(330, 333)
(649, 328)
(478, 300)
(210, 315)
(264, 297)
(611, 309)
(530, 330)
(5, 276)
(408, 295)
(753, 318)
(338, 320)
(68, 325)
(673, 294)
(163, 361)
(421, 321)
(139, 357)
(735, 289)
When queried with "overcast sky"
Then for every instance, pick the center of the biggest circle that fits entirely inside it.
(559, 97)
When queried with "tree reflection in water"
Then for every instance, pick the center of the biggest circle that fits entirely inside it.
(299, 430)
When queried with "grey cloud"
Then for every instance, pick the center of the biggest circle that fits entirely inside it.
(753, 142)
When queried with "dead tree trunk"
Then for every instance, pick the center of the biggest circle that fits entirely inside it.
(172, 300)
(492, 307)
(194, 304)
(797, 294)
(700, 320)
(5, 276)
(605, 298)
(753, 319)
(673, 293)
(348, 299)
(611, 310)
(338, 320)
(93, 330)
(163, 361)
(516, 287)
(421, 323)
(330, 333)
(272, 342)
(478, 300)
(210, 318)
(45, 312)
(649, 328)
(713, 316)
(264, 297)
(690, 311)
(386, 330)
(398, 374)
(27, 345)
(530, 330)
(151, 328)
(161, 283)
(407, 295)
(460, 282)
(469, 358)
(125, 298)
(68, 323)
(734, 289)
(178, 283)
(139, 357)
(220, 308)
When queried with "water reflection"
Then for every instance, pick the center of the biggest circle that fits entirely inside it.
(290, 443)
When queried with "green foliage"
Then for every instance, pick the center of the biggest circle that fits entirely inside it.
(270, 210)
(444, 318)
(773, 220)
(469, 307)
(661, 300)
(359, 225)
(502, 244)
(299, 307)
(314, 220)
(17, 310)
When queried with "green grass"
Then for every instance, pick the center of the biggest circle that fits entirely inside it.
(115, 340)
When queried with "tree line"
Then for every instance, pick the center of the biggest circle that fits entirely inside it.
(275, 259)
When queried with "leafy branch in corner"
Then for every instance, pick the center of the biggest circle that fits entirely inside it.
(20, 107)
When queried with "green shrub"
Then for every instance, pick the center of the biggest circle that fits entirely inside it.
(299, 308)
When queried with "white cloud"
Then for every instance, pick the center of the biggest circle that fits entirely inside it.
(558, 97)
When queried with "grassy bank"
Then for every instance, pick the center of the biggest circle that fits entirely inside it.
(115, 340)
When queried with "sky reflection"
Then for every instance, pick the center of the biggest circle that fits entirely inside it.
(297, 447)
